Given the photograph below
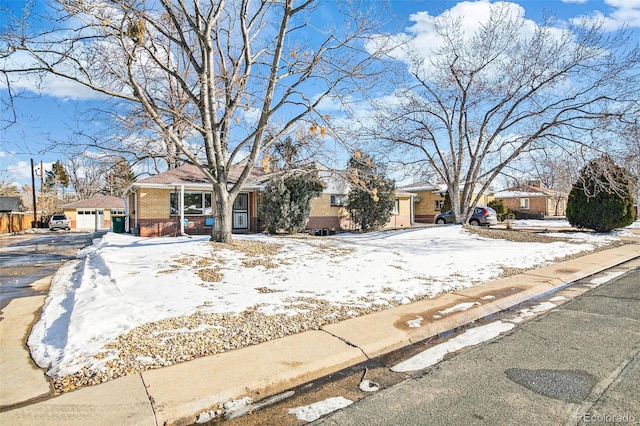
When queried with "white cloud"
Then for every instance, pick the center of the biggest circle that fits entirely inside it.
(48, 84)
(425, 39)
(19, 171)
(625, 13)
(624, 4)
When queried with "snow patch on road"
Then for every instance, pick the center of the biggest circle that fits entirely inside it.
(309, 413)
(471, 337)
(608, 276)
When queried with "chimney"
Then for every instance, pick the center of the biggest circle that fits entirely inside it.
(535, 183)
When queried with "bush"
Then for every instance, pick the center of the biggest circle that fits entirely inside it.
(287, 202)
(502, 211)
(372, 195)
(601, 198)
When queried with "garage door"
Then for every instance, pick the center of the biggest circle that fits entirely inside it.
(87, 219)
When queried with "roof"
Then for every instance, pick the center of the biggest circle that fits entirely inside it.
(334, 182)
(190, 174)
(441, 187)
(100, 201)
(527, 191)
(403, 193)
(422, 186)
(10, 204)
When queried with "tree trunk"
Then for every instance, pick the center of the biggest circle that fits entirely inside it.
(454, 196)
(223, 216)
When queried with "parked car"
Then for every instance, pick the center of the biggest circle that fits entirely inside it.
(59, 221)
(481, 216)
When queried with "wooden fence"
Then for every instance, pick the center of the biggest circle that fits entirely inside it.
(14, 222)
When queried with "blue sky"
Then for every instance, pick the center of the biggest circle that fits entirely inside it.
(50, 115)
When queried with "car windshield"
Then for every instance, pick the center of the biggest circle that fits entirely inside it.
(58, 217)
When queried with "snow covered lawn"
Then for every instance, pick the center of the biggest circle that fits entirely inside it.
(159, 289)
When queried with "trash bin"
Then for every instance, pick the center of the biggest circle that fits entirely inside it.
(117, 224)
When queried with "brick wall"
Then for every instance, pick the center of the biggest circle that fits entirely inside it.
(425, 209)
(403, 218)
(154, 219)
(536, 204)
(329, 222)
(324, 215)
(153, 203)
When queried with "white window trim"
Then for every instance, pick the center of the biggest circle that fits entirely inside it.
(342, 200)
(180, 207)
(396, 207)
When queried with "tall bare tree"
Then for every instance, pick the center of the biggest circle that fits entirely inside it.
(481, 99)
(220, 80)
(86, 175)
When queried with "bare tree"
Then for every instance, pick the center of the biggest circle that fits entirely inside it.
(479, 101)
(219, 80)
(85, 175)
(8, 189)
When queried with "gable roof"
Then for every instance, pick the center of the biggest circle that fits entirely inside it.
(425, 186)
(528, 191)
(189, 174)
(100, 201)
(10, 204)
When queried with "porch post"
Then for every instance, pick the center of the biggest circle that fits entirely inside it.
(412, 213)
(181, 207)
(127, 214)
(135, 209)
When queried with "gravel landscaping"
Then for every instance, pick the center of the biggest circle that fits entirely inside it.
(173, 340)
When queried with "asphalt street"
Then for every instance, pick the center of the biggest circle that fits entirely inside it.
(576, 364)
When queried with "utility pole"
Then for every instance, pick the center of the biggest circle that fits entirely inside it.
(33, 192)
(41, 184)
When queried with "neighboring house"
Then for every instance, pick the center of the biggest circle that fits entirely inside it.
(429, 200)
(10, 205)
(533, 201)
(329, 213)
(94, 213)
(181, 201)
(12, 216)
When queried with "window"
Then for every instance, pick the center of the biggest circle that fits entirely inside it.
(396, 207)
(439, 204)
(117, 212)
(524, 203)
(195, 203)
(339, 200)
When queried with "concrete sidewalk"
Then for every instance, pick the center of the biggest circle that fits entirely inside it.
(177, 394)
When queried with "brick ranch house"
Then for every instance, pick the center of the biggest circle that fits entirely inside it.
(181, 201)
(429, 199)
(153, 209)
(329, 213)
(534, 201)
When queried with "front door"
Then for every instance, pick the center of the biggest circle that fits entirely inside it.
(241, 212)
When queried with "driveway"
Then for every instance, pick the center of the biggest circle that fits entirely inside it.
(26, 259)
